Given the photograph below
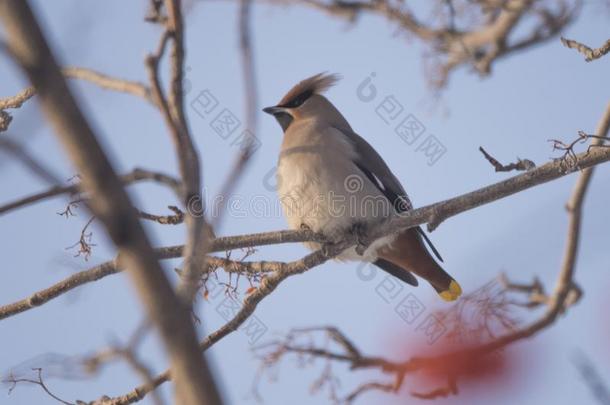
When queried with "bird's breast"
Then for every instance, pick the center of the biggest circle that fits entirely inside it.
(321, 187)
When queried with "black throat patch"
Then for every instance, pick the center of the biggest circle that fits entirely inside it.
(284, 119)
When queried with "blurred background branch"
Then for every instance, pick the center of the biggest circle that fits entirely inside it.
(110, 203)
(462, 33)
(454, 34)
(589, 53)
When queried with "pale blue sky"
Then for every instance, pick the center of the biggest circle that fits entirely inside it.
(546, 92)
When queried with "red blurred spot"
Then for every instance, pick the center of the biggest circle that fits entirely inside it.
(480, 377)
(446, 359)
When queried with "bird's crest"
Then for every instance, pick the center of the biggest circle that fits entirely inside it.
(316, 84)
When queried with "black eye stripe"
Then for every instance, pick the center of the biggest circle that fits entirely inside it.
(298, 100)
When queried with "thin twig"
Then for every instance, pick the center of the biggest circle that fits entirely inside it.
(127, 352)
(534, 177)
(592, 378)
(85, 247)
(5, 120)
(433, 213)
(556, 304)
(100, 79)
(110, 203)
(266, 287)
(39, 381)
(478, 43)
(521, 165)
(250, 142)
(135, 176)
(172, 110)
(114, 266)
(108, 82)
(19, 152)
(569, 155)
(18, 99)
(589, 53)
(175, 219)
(564, 286)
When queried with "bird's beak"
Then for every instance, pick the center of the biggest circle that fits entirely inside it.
(273, 110)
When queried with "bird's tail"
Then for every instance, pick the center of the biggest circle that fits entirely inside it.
(409, 252)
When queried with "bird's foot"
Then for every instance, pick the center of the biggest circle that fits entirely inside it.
(305, 227)
(362, 240)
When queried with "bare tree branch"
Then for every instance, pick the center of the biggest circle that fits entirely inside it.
(85, 247)
(108, 82)
(267, 286)
(480, 44)
(428, 214)
(100, 79)
(114, 266)
(521, 165)
(442, 392)
(251, 100)
(135, 176)
(75, 280)
(458, 41)
(569, 154)
(175, 219)
(590, 54)
(110, 203)
(20, 153)
(556, 304)
(155, 12)
(127, 352)
(5, 120)
(15, 101)
(188, 160)
(92, 76)
(18, 99)
(39, 381)
(592, 378)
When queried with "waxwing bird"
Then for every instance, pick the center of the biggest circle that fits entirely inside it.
(332, 181)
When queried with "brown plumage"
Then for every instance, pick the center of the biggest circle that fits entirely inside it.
(409, 252)
(316, 84)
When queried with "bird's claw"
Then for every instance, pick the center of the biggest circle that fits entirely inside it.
(305, 227)
(362, 242)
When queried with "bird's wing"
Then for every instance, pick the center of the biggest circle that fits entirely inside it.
(377, 171)
(396, 271)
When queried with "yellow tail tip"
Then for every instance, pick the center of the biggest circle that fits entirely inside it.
(452, 293)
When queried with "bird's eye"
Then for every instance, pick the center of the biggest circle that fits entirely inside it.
(299, 100)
